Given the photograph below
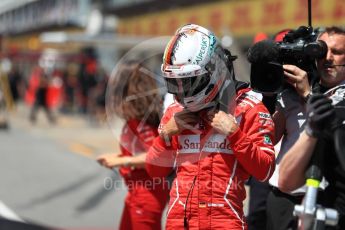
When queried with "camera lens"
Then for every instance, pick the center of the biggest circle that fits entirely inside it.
(317, 49)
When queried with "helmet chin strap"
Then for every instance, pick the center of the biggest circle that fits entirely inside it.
(226, 96)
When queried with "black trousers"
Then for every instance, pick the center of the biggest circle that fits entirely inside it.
(279, 210)
(47, 110)
(259, 191)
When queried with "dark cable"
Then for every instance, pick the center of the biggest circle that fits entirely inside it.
(185, 221)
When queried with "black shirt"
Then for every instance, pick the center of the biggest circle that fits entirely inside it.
(334, 194)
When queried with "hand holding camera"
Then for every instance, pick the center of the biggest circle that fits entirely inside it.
(320, 112)
(268, 60)
(298, 78)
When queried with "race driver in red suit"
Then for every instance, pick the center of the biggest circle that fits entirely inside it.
(216, 135)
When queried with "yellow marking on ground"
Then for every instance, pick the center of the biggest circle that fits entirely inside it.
(81, 149)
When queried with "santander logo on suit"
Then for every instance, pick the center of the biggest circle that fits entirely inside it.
(215, 143)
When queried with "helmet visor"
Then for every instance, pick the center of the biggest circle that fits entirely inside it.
(188, 86)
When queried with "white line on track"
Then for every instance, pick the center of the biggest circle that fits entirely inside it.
(7, 213)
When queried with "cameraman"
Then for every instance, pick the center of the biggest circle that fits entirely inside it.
(320, 112)
(289, 118)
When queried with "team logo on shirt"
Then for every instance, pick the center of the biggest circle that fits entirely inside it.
(216, 143)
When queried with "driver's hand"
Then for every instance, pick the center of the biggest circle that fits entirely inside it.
(224, 123)
(180, 121)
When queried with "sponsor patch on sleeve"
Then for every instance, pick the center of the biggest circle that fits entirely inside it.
(264, 115)
(267, 140)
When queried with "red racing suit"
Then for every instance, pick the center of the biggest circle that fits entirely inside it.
(147, 196)
(211, 168)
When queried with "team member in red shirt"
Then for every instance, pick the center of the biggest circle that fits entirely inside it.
(216, 134)
(146, 196)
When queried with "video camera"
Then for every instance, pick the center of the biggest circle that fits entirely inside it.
(299, 47)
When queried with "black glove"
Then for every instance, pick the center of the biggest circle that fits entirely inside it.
(320, 112)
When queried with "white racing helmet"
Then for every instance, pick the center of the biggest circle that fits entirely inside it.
(195, 67)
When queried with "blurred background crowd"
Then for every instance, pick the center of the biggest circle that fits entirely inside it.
(77, 43)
